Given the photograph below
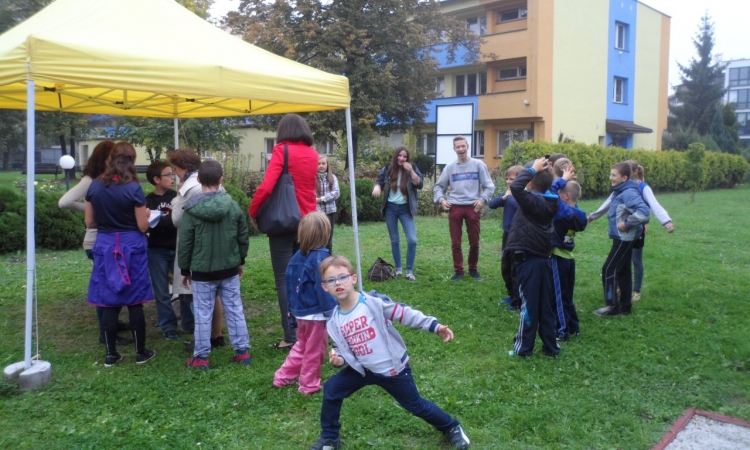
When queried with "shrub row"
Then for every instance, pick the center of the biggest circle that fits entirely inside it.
(664, 170)
(55, 228)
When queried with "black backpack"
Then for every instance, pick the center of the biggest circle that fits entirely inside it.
(381, 271)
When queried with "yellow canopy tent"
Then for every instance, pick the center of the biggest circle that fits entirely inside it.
(145, 58)
(152, 58)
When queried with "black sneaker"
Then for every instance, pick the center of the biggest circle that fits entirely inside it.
(218, 342)
(457, 437)
(608, 311)
(112, 359)
(326, 444)
(142, 358)
(475, 274)
(171, 335)
(457, 277)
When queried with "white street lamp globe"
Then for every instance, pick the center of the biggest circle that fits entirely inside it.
(67, 162)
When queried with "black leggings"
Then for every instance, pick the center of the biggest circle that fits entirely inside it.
(617, 273)
(137, 326)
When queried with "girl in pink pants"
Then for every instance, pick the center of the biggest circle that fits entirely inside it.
(309, 305)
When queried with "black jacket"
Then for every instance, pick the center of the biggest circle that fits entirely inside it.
(531, 230)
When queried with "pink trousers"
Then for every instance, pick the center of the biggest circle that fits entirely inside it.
(305, 358)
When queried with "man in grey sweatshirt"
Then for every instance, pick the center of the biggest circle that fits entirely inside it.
(471, 187)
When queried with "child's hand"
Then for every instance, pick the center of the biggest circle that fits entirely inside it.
(622, 226)
(507, 194)
(569, 172)
(669, 226)
(186, 282)
(334, 359)
(540, 164)
(445, 333)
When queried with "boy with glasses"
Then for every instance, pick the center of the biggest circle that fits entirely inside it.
(371, 351)
(162, 240)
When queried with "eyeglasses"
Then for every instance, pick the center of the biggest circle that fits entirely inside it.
(168, 175)
(341, 279)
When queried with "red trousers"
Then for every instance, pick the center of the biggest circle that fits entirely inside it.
(457, 215)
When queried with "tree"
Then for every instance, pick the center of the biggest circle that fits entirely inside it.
(702, 84)
(720, 134)
(198, 7)
(384, 47)
(157, 135)
(695, 173)
(59, 125)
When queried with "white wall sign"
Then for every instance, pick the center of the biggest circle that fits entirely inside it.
(452, 121)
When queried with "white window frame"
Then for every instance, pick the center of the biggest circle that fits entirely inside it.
(621, 36)
(477, 150)
(520, 72)
(480, 77)
(506, 138)
(620, 91)
(477, 24)
(520, 14)
(325, 147)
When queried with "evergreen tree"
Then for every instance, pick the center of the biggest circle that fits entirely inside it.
(720, 134)
(385, 49)
(702, 84)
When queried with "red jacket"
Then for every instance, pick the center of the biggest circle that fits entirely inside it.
(303, 165)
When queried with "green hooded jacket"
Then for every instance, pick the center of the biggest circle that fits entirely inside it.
(213, 237)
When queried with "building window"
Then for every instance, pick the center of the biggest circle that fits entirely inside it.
(511, 15)
(743, 120)
(471, 84)
(621, 36)
(511, 73)
(621, 85)
(740, 98)
(739, 76)
(478, 25)
(429, 144)
(478, 144)
(506, 138)
(440, 87)
(325, 147)
(269, 143)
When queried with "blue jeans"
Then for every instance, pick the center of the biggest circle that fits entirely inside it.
(160, 262)
(204, 299)
(393, 214)
(401, 387)
(637, 269)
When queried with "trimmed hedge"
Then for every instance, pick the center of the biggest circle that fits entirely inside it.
(368, 208)
(55, 228)
(664, 170)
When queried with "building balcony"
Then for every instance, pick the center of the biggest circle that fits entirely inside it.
(506, 105)
(506, 45)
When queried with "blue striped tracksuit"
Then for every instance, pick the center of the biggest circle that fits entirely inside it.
(567, 221)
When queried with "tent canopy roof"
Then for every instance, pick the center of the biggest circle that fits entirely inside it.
(152, 58)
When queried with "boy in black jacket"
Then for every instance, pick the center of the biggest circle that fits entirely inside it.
(530, 244)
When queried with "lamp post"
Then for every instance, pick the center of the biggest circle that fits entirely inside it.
(67, 162)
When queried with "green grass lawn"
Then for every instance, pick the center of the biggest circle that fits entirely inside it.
(620, 385)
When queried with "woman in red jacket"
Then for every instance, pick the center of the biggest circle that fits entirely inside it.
(295, 134)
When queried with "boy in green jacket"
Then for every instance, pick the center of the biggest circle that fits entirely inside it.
(212, 249)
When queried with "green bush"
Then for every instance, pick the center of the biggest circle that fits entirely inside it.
(12, 232)
(664, 170)
(55, 228)
(368, 208)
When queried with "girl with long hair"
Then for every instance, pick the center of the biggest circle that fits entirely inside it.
(402, 180)
(326, 194)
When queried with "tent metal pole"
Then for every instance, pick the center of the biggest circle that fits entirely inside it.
(176, 133)
(350, 156)
(30, 205)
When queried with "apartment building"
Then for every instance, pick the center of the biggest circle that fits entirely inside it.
(591, 70)
(737, 84)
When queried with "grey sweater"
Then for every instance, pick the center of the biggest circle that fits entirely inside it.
(468, 182)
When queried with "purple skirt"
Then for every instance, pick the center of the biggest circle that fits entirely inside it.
(120, 273)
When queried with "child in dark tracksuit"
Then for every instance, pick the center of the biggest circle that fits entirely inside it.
(506, 264)
(530, 243)
(569, 219)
